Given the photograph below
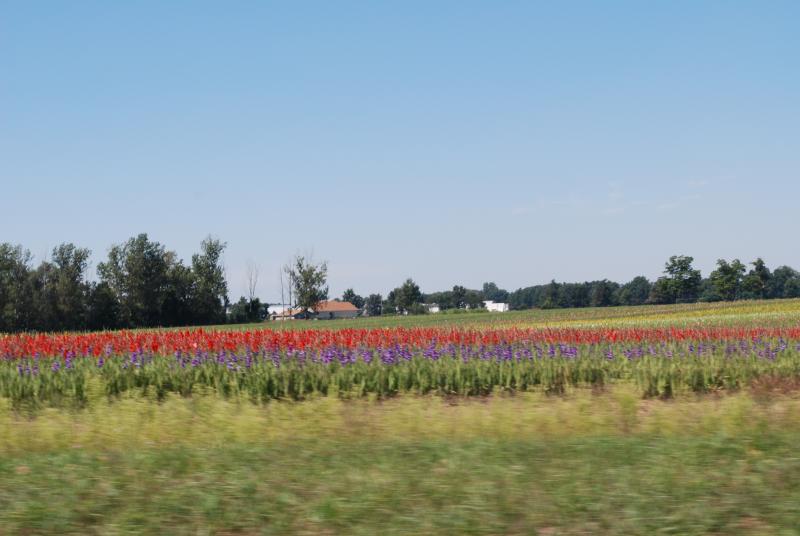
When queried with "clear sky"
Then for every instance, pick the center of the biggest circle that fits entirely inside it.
(453, 142)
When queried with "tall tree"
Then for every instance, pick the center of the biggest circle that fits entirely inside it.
(493, 293)
(473, 299)
(602, 294)
(70, 287)
(17, 310)
(407, 295)
(755, 284)
(309, 280)
(136, 272)
(459, 297)
(251, 275)
(389, 305)
(727, 278)
(784, 283)
(373, 305)
(211, 288)
(103, 307)
(178, 305)
(681, 284)
(550, 295)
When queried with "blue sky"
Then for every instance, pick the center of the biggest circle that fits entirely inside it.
(453, 142)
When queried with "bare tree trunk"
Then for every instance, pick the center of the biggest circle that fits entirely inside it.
(252, 279)
(283, 298)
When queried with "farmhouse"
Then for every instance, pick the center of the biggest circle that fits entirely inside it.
(328, 310)
(325, 310)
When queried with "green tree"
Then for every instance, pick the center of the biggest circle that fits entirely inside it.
(351, 296)
(683, 280)
(459, 297)
(708, 292)
(17, 309)
(662, 291)
(103, 307)
(473, 299)
(549, 298)
(389, 305)
(210, 297)
(634, 292)
(784, 283)
(755, 284)
(493, 293)
(407, 295)
(443, 299)
(137, 273)
(239, 311)
(309, 280)
(603, 293)
(70, 288)
(178, 305)
(42, 288)
(727, 278)
(373, 305)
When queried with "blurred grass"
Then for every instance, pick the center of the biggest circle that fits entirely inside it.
(586, 463)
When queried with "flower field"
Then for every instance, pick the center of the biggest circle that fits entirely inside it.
(263, 364)
(153, 431)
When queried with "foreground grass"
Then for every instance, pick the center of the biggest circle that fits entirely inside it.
(587, 463)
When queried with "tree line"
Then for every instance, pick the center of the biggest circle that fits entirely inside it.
(143, 284)
(681, 283)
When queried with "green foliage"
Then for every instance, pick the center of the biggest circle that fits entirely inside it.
(17, 310)
(210, 295)
(351, 296)
(474, 299)
(459, 297)
(137, 272)
(784, 283)
(247, 311)
(36, 382)
(755, 285)
(373, 305)
(69, 286)
(308, 279)
(634, 292)
(680, 284)
(592, 463)
(727, 279)
(491, 292)
(405, 296)
(603, 293)
(103, 307)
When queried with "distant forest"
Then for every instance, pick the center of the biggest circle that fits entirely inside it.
(143, 284)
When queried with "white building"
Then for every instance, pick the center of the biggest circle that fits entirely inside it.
(495, 307)
(432, 307)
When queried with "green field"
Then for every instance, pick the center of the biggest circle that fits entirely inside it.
(754, 312)
(593, 458)
(589, 463)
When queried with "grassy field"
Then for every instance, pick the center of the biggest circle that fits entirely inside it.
(596, 457)
(588, 463)
(760, 312)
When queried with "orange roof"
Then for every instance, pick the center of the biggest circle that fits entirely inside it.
(334, 306)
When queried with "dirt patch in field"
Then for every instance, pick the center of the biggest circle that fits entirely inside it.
(771, 386)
